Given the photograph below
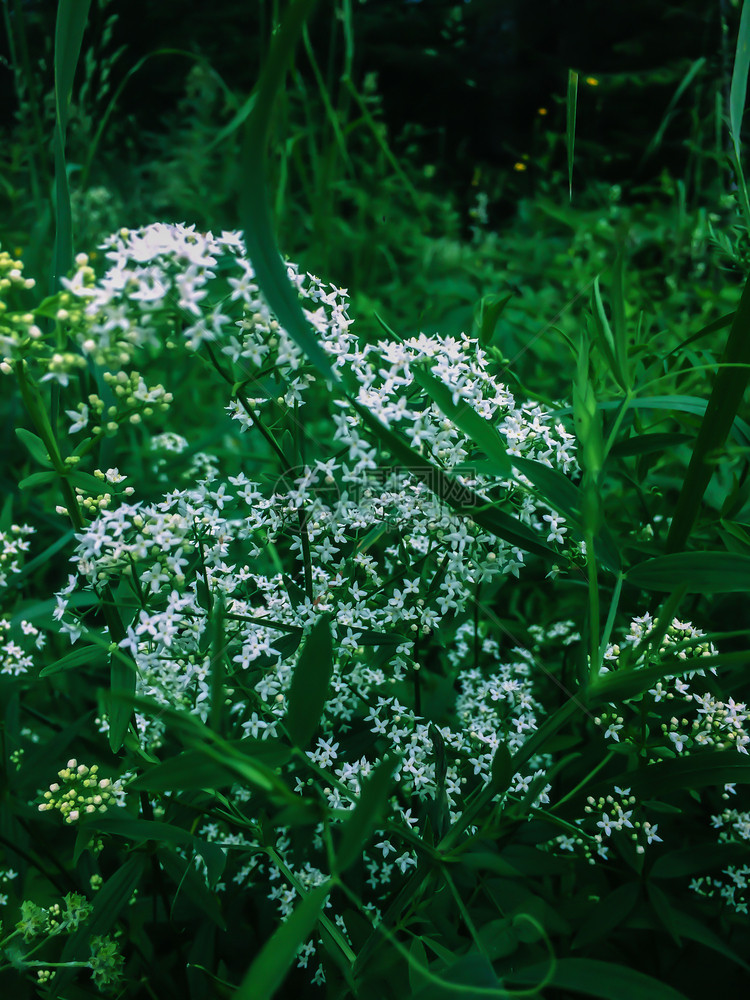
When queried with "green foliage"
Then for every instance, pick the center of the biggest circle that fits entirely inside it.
(416, 662)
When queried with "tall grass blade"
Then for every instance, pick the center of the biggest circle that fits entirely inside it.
(698, 572)
(570, 130)
(310, 682)
(71, 23)
(268, 971)
(718, 419)
(255, 210)
(737, 96)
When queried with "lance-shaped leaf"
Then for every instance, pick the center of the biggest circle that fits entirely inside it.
(570, 129)
(462, 499)
(69, 27)
(366, 814)
(271, 966)
(721, 411)
(310, 682)
(593, 978)
(110, 899)
(479, 430)
(255, 213)
(699, 572)
(487, 313)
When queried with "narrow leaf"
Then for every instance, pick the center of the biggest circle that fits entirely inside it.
(76, 658)
(69, 27)
(459, 497)
(35, 446)
(366, 814)
(699, 572)
(571, 105)
(255, 213)
(271, 966)
(595, 978)
(310, 682)
(720, 414)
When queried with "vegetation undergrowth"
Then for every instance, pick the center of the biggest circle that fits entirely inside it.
(340, 656)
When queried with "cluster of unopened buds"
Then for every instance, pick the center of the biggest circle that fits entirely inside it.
(79, 792)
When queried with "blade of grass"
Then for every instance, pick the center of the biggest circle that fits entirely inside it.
(71, 23)
(270, 967)
(718, 419)
(737, 96)
(571, 104)
(255, 210)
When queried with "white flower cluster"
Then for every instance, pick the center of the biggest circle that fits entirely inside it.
(377, 551)
(6, 877)
(17, 645)
(734, 888)
(607, 816)
(704, 719)
(13, 548)
(82, 792)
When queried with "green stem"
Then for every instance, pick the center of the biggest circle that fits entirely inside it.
(584, 781)
(593, 585)
(610, 624)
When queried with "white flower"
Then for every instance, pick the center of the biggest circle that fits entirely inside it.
(79, 418)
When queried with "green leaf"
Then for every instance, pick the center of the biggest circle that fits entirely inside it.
(140, 830)
(620, 332)
(184, 875)
(255, 214)
(502, 769)
(87, 482)
(688, 927)
(69, 27)
(570, 128)
(695, 68)
(700, 572)
(459, 497)
(698, 860)
(479, 430)
(189, 769)
(487, 313)
(371, 637)
(723, 404)
(310, 683)
(271, 966)
(76, 658)
(604, 335)
(717, 324)
(366, 814)
(218, 664)
(555, 489)
(594, 978)
(122, 678)
(109, 901)
(37, 479)
(468, 977)
(685, 404)
(737, 95)
(647, 444)
(699, 769)
(664, 911)
(35, 446)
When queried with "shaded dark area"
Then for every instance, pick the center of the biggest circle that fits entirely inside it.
(472, 75)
